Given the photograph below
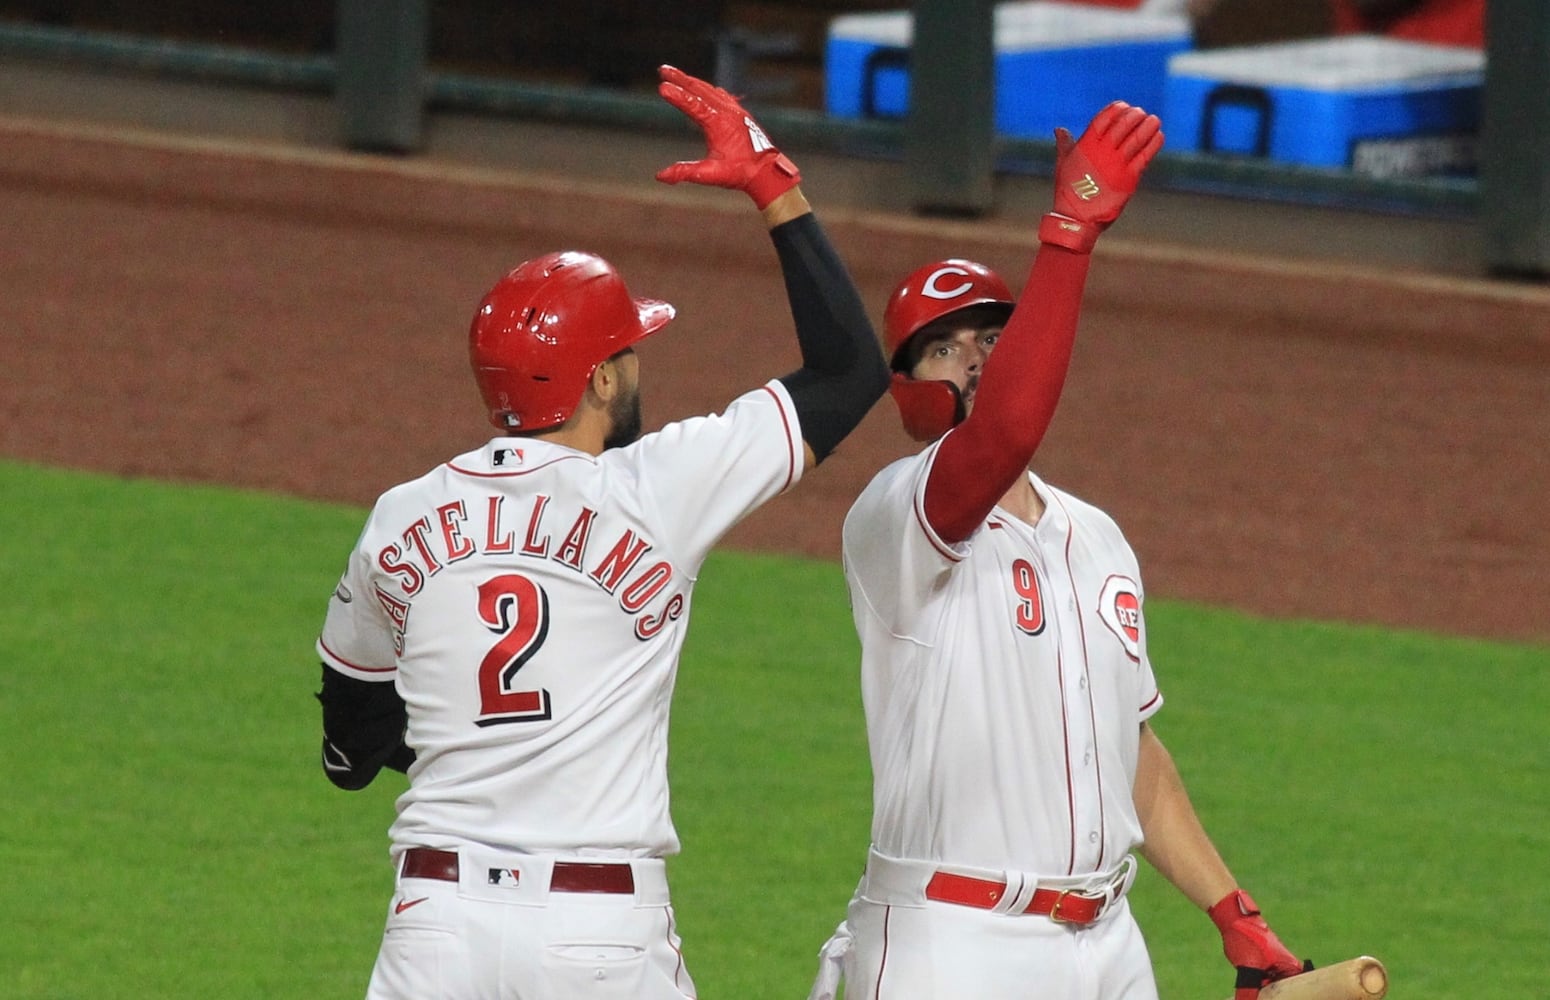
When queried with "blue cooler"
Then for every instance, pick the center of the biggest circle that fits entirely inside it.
(1056, 63)
(1378, 106)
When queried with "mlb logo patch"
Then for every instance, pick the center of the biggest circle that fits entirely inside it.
(505, 878)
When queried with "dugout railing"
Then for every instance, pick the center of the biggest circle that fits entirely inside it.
(383, 86)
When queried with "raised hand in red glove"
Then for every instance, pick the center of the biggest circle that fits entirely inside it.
(738, 154)
(1251, 946)
(1096, 174)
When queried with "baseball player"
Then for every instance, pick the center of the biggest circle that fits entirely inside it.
(1004, 669)
(508, 626)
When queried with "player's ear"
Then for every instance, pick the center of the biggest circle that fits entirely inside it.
(605, 380)
(608, 378)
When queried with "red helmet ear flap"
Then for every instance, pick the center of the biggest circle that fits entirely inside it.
(928, 408)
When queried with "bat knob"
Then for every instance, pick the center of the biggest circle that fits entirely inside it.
(1374, 977)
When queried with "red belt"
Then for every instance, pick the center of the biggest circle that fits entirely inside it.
(1061, 905)
(568, 876)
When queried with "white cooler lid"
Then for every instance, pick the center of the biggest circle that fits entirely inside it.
(1028, 24)
(1348, 62)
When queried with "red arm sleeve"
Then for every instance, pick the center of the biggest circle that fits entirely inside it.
(980, 459)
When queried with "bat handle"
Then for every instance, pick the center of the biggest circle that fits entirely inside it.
(1361, 978)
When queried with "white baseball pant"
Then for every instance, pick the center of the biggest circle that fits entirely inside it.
(896, 944)
(498, 932)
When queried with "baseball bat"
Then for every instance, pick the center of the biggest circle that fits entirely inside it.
(1362, 978)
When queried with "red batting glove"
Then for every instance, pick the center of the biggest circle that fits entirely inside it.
(1251, 946)
(738, 154)
(1096, 175)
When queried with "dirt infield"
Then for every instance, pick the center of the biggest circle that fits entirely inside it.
(1293, 440)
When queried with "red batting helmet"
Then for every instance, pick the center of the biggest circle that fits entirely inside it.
(544, 328)
(935, 290)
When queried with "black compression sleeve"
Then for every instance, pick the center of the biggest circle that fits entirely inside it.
(843, 372)
(363, 729)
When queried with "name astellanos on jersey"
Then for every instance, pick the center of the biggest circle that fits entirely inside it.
(485, 528)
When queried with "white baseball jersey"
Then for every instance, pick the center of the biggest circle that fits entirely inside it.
(530, 601)
(1004, 678)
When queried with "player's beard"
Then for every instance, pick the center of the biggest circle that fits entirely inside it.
(968, 392)
(624, 414)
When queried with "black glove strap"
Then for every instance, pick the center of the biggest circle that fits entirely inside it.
(1249, 978)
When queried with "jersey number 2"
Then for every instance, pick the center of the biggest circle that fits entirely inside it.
(516, 609)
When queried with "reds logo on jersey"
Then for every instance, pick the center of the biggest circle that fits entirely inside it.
(1119, 605)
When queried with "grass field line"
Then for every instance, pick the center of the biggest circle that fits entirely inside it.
(438, 170)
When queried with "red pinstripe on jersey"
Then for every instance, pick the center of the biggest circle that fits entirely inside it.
(791, 444)
(883, 962)
(525, 471)
(1081, 622)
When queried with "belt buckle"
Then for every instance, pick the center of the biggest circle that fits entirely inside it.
(1054, 910)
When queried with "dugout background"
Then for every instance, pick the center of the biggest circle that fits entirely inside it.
(1300, 410)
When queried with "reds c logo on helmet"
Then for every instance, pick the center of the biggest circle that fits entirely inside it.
(541, 332)
(934, 291)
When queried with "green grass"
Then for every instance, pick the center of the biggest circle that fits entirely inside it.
(168, 833)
